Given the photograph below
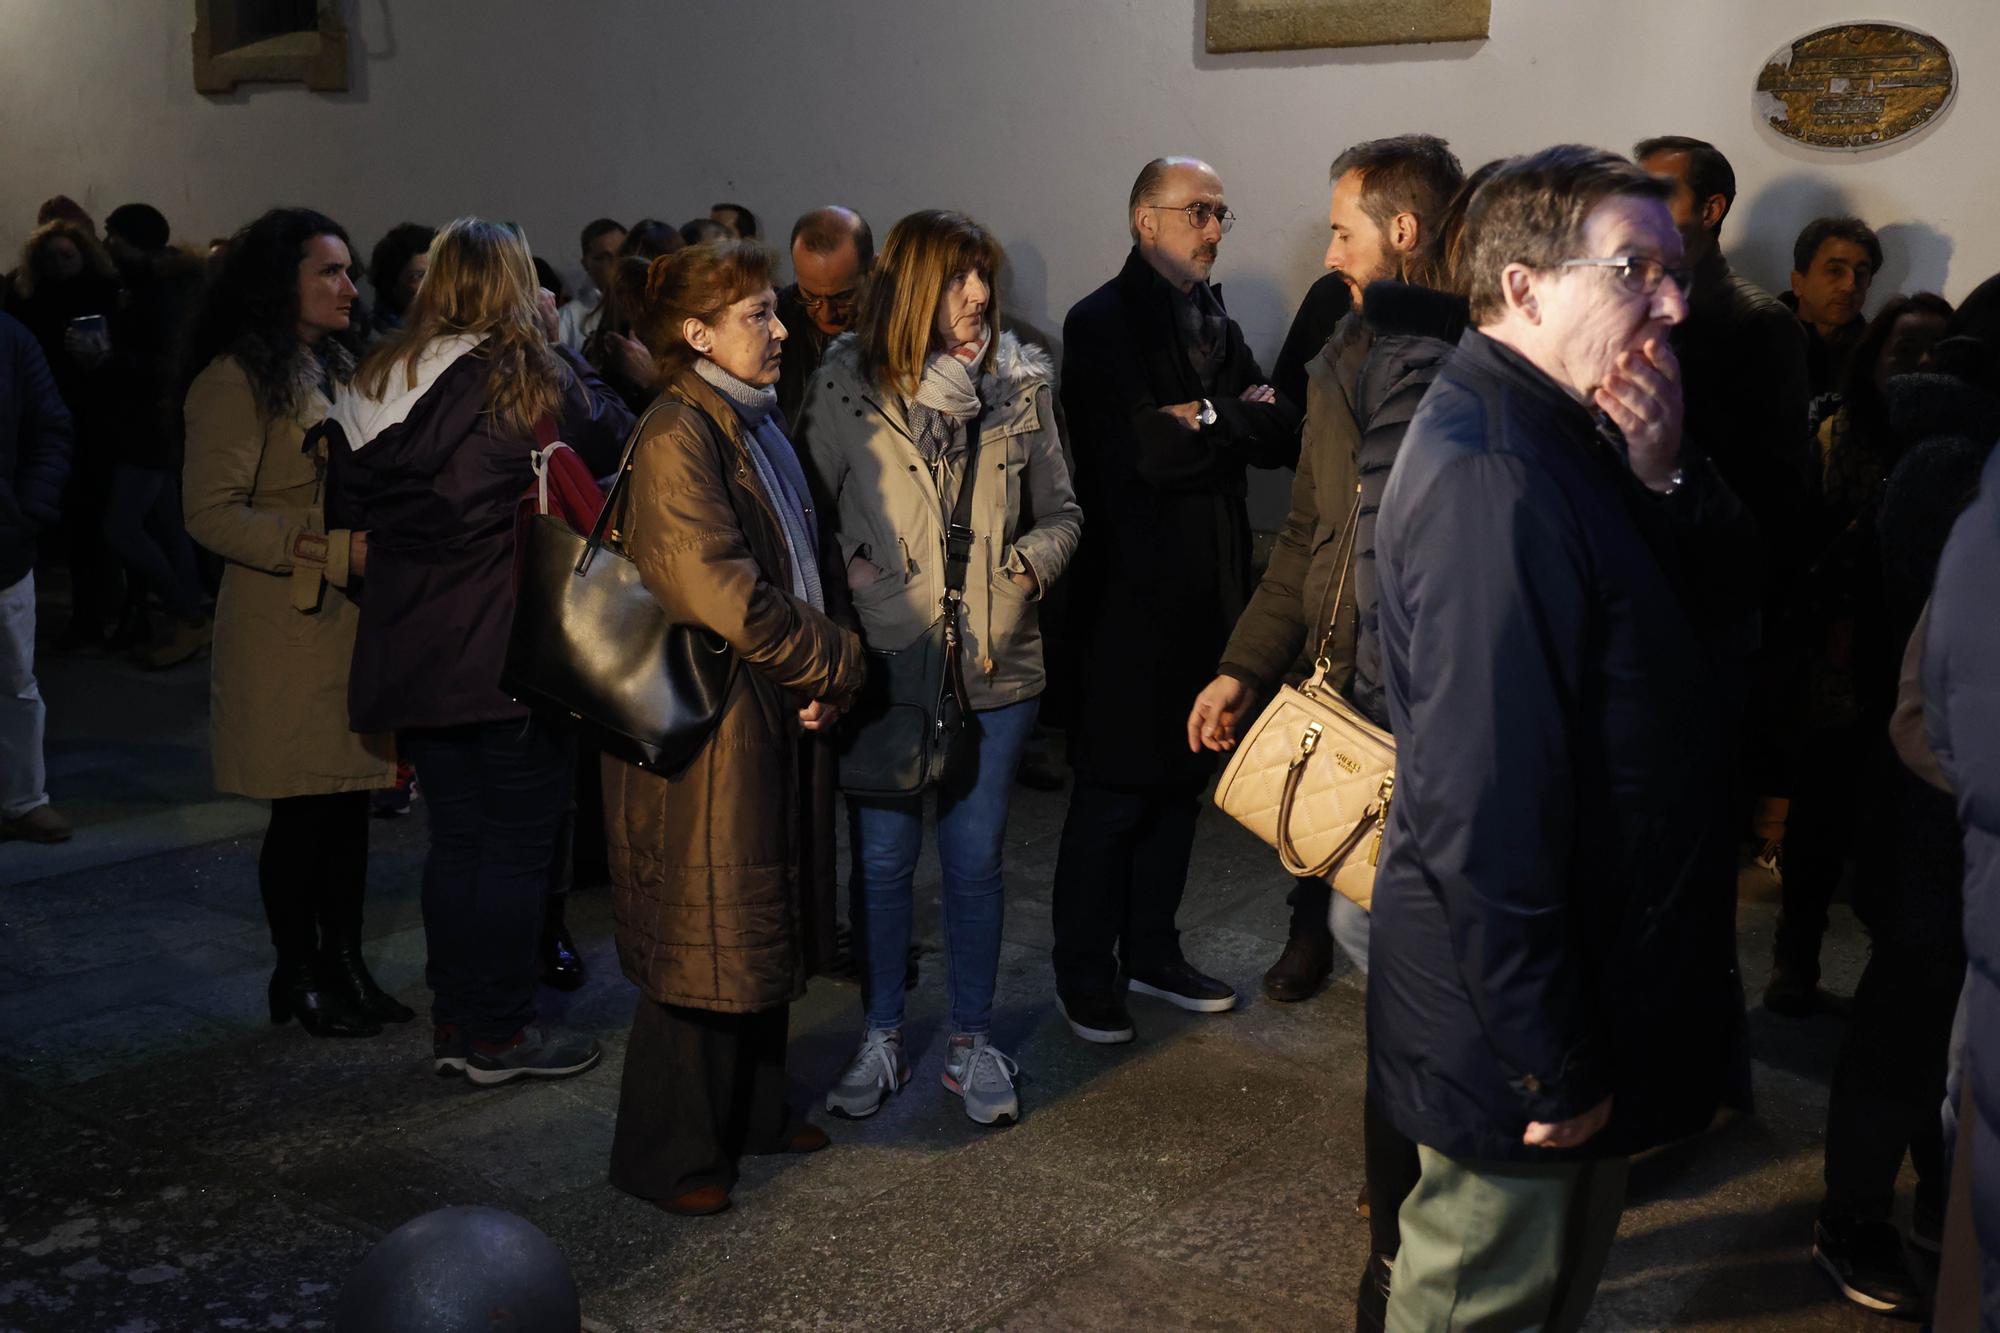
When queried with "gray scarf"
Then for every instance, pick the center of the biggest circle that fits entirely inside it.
(947, 398)
(778, 471)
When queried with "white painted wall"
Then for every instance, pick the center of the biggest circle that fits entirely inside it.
(1033, 115)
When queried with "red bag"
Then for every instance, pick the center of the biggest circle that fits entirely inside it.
(563, 486)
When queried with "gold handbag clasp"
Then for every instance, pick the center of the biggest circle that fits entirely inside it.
(1307, 744)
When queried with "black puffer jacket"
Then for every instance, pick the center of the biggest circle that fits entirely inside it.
(1416, 330)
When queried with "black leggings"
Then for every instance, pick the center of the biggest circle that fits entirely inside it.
(312, 871)
(1392, 1173)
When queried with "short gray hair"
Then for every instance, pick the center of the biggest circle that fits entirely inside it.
(1532, 210)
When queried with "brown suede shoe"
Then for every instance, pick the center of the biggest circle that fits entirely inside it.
(703, 1202)
(1301, 969)
(807, 1138)
(41, 824)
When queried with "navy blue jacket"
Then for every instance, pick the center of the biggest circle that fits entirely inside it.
(35, 439)
(437, 494)
(1554, 914)
(1961, 679)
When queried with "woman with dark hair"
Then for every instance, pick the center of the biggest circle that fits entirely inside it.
(613, 346)
(396, 268)
(928, 393)
(271, 340)
(724, 872)
(67, 292)
(432, 444)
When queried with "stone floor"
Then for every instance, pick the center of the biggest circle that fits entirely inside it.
(171, 1161)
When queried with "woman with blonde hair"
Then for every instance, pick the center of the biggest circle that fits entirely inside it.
(724, 872)
(430, 448)
(927, 391)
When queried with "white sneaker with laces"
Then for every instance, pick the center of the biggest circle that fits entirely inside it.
(878, 1069)
(983, 1075)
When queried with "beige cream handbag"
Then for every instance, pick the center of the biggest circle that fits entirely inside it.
(1313, 778)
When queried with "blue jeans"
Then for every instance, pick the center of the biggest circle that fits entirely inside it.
(972, 818)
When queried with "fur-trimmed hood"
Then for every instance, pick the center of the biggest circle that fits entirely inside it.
(1016, 365)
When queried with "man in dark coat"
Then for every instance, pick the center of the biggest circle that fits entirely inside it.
(35, 438)
(1386, 199)
(1167, 408)
(833, 252)
(1552, 988)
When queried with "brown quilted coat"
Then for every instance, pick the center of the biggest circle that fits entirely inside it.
(724, 874)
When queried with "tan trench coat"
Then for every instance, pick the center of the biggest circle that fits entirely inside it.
(284, 626)
(723, 875)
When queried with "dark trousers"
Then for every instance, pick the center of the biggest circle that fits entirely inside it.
(1834, 808)
(1310, 900)
(1120, 871)
(1393, 1167)
(312, 871)
(143, 526)
(496, 794)
(1890, 1078)
(701, 1089)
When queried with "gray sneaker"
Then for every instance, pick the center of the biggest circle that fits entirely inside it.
(983, 1074)
(539, 1050)
(877, 1069)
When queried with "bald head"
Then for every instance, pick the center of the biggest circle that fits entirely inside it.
(832, 252)
(1180, 251)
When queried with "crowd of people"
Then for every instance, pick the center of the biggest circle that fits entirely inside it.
(1631, 559)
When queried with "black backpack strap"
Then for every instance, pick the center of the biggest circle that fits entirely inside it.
(958, 534)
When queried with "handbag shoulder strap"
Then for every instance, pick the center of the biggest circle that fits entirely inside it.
(958, 533)
(1320, 663)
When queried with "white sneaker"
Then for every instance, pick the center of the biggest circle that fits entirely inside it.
(983, 1075)
(877, 1069)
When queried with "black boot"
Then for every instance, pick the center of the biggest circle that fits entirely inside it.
(1371, 1303)
(324, 1011)
(561, 967)
(347, 972)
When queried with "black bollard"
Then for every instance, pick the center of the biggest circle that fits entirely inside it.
(461, 1270)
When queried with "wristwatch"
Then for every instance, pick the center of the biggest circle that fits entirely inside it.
(1207, 414)
(1675, 480)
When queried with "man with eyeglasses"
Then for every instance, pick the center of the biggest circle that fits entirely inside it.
(833, 252)
(1552, 983)
(1167, 409)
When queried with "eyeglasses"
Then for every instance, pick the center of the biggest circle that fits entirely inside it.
(1199, 215)
(835, 301)
(1637, 273)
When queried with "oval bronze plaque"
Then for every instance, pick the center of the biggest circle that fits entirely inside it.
(1859, 85)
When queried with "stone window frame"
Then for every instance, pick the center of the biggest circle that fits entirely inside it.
(318, 59)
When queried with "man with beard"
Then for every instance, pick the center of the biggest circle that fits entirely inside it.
(1387, 195)
(1166, 409)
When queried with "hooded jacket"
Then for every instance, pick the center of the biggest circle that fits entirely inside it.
(433, 478)
(889, 509)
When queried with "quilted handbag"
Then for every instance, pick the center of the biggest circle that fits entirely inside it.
(1314, 778)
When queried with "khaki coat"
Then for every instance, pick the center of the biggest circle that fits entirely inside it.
(890, 509)
(284, 623)
(723, 875)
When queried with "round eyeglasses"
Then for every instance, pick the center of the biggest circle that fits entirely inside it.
(1199, 215)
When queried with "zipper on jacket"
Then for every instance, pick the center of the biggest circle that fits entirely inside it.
(986, 645)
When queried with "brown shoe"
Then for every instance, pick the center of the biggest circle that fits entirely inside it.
(703, 1202)
(1301, 969)
(807, 1138)
(41, 824)
(177, 642)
